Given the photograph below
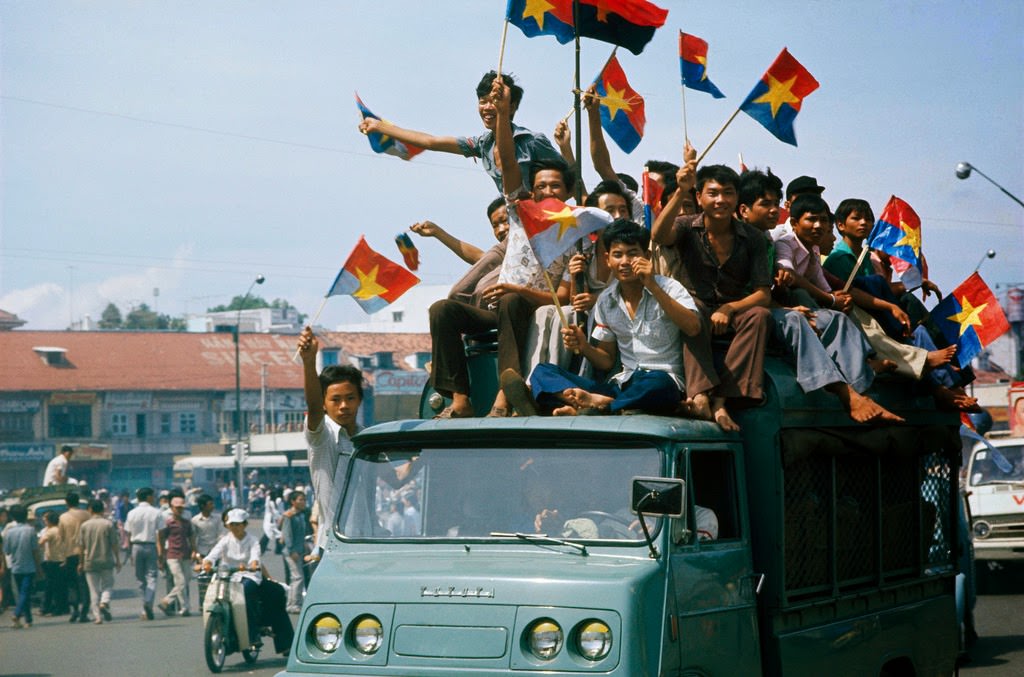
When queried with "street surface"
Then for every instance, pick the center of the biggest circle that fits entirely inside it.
(173, 647)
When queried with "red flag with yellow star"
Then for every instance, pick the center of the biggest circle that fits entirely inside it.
(553, 226)
(971, 318)
(622, 109)
(371, 279)
(777, 97)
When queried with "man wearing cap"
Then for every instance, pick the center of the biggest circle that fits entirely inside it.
(143, 524)
(801, 185)
(178, 541)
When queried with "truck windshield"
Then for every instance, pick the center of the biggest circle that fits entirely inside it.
(999, 464)
(445, 493)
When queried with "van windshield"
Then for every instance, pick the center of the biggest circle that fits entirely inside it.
(446, 493)
(999, 464)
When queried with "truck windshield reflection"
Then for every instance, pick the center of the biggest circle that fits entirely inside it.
(438, 493)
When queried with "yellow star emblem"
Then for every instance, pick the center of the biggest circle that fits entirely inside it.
(778, 93)
(703, 61)
(911, 237)
(968, 316)
(537, 9)
(615, 102)
(368, 286)
(564, 218)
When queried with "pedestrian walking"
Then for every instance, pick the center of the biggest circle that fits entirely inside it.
(101, 557)
(21, 547)
(177, 542)
(78, 591)
(142, 525)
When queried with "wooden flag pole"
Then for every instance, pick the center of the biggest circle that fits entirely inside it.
(316, 316)
(712, 143)
(686, 132)
(501, 51)
(554, 299)
(853, 273)
(581, 278)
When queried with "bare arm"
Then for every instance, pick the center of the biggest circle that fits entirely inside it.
(464, 250)
(308, 346)
(444, 144)
(602, 356)
(687, 320)
(539, 297)
(598, 147)
(511, 174)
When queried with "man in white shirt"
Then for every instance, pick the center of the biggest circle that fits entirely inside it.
(57, 468)
(142, 525)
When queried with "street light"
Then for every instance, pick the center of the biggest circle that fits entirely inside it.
(963, 170)
(239, 456)
(990, 254)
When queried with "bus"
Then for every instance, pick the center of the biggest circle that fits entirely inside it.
(209, 472)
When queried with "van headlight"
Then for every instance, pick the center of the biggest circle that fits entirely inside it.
(594, 640)
(367, 634)
(545, 639)
(325, 632)
(982, 529)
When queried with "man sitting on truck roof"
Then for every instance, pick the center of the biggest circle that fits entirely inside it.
(640, 317)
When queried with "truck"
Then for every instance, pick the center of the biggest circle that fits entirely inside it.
(639, 545)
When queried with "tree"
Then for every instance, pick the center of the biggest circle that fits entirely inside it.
(111, 317)
(237, 304)
(142, 318)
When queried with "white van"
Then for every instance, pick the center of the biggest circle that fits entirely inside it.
(995, 485)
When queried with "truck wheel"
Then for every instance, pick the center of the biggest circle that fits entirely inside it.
(214, 642)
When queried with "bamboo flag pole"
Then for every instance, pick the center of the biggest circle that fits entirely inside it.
(501, 51)
(712, 143)
(316, 316)
(686, 132)
(853, 273)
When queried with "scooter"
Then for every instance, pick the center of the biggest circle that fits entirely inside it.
(225, 619)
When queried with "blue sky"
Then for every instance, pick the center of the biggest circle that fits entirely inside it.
(188, 146)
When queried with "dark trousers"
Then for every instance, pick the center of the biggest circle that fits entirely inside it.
(23, 582)
(449, 320)
(654, 392)
(75, 585)
(272, 598)
(55, 592)
(742, 374)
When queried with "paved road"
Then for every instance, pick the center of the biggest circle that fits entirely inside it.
(173, 646)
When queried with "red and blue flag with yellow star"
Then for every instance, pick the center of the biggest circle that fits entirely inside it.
(971, 318)
(777, 97)
(371, 279)
(382, 143)
(553, 226)
(693, 64)
(622, 109)
(898, 233)
(627, 23)
(542, 17)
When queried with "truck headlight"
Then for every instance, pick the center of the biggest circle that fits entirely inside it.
(326, 633)
(368, 634)
(982, 529)
(594, 640)
(545, 639)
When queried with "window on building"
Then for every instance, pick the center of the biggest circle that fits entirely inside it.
(119, 424)
(187, 423)
(329, 356)
(70, 420)
(165, 424)
(293, 420)
(15, 427)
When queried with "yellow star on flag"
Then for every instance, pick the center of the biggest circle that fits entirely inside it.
(968, 316)
(615, 101)
(911, 237)
(778, 93)
(703, 61)
(564, 218)
(368, 286)
(537, 9)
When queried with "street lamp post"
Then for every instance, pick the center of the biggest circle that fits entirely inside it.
(963, 170)
(990, 254)
(239, 455)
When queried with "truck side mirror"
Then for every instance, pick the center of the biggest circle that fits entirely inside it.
(658, 496)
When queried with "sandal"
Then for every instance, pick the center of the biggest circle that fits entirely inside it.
(448, 412)
(498, 412)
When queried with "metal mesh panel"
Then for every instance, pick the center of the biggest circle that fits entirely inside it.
(936, 513)
(900, 532)
(856, 516)
(808, 502)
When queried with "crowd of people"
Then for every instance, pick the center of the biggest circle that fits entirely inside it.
(679, 311)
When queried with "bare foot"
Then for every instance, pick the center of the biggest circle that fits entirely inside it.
(882, 366)
(937, 358)
(955, 400)
(863, 409)
(699, 407)
(564, 410)
(722, 417)
(580, 398)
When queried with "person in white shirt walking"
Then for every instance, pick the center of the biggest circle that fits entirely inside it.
(142, 525)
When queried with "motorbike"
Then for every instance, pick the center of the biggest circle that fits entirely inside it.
(225, 625)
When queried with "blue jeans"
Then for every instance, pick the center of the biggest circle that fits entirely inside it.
(23, 582)
(652, 391)
(145, 570)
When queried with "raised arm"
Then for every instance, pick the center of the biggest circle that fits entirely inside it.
(511, 174)
(444, 144)
(465, 251)
(598, 147)
(686, 179)
(308, 347)
(685, 318)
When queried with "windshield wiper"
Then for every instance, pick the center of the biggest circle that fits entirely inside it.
(540, 538)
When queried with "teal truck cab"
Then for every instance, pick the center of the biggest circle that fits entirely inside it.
(643, 545)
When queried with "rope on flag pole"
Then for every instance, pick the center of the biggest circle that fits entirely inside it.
(316, 316)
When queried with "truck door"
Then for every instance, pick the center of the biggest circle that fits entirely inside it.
(713, 584)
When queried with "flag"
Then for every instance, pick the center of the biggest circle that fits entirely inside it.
(409, 251)
(693, 63)
(898, 233)
(652, 198)
(542, 17)
(554, 226)
(970, 318)
(371, 279)
(622, 109)
(382, 143)
(777, 97)
(627, 23)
